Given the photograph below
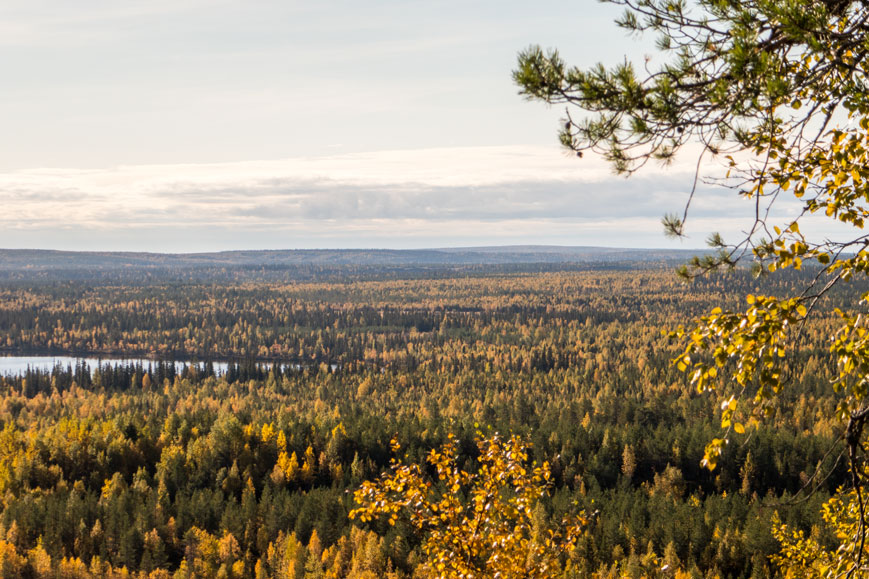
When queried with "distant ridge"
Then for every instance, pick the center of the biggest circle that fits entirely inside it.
(42, 259)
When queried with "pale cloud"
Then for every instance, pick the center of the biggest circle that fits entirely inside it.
(96, 83)
(200, 85)
(410, 198)
(47, 23)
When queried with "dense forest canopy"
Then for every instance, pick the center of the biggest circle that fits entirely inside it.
(248, 474)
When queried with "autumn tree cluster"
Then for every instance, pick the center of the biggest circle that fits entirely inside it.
(153, 469)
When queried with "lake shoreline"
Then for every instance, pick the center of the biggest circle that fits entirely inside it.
(136, 355)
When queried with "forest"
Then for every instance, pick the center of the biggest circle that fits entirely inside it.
(146, 470)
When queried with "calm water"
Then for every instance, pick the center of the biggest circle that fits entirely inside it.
(13, 365)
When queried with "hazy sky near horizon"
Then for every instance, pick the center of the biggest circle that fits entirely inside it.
(198, 125)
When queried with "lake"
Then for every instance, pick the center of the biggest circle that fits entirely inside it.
(14, 365)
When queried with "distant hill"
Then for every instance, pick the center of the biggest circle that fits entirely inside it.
(38, 259)
(299, 265)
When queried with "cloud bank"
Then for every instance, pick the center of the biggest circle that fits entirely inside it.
(418, 198)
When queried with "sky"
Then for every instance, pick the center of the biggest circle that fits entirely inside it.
(207, 125)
